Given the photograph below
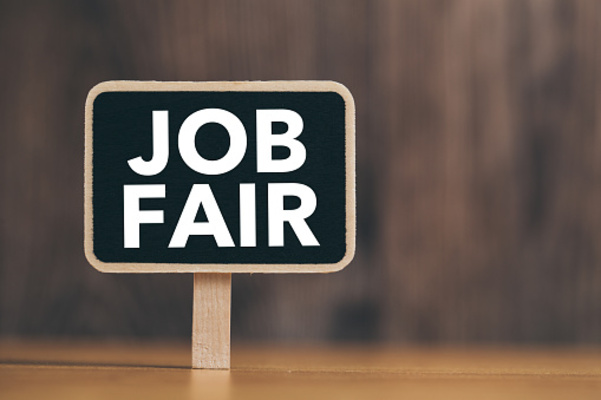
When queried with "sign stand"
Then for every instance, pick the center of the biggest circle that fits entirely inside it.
(146, 181)
(211, 321)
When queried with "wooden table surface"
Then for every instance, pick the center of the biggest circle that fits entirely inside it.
(65, 370)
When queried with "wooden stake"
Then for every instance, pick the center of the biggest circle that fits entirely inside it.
(211, 321)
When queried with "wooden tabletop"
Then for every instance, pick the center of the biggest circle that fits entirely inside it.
(65, 370)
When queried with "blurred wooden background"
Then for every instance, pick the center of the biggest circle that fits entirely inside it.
(479, 165)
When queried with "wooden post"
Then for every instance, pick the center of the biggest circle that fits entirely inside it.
(211, 321)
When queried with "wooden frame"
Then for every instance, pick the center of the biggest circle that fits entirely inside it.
(257, 86)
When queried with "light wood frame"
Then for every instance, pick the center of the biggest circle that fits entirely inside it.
(246, 86)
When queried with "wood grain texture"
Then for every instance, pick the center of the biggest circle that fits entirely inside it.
(478, 165)
(122, 371)
(211, 321)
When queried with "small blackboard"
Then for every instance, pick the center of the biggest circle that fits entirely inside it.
(220, 176)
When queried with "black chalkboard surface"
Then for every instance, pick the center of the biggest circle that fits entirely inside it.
(250, 177)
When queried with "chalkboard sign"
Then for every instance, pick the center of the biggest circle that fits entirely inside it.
(220, 176)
